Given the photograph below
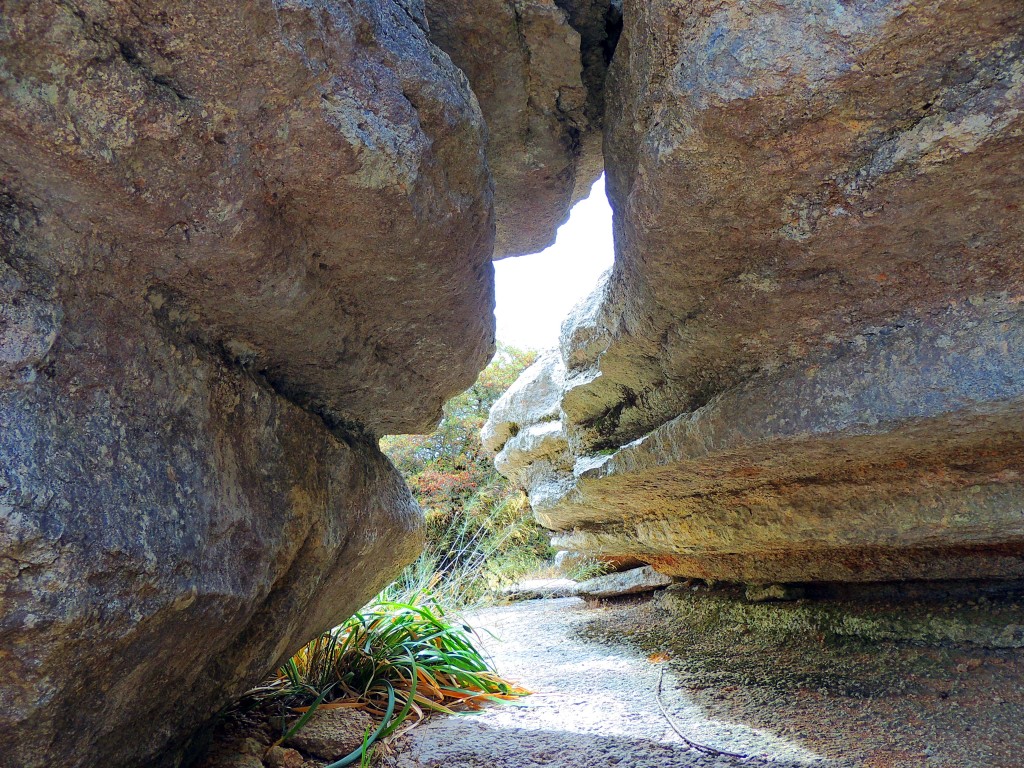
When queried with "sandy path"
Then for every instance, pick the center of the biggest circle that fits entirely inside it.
(593, 706)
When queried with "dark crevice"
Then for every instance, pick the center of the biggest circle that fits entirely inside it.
(607, 424)
(132, 58)
(613, 30)
(599, 24)
(166, 307)
(127, 50)
(419, 19)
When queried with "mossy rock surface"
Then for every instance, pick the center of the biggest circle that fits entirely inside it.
(989, 616)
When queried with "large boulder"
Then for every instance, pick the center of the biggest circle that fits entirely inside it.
(299, 185)
(538, 68)
(806, 362)
(238, 241)
(171, 530)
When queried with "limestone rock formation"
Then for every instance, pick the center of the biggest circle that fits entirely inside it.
(171, 529)
(525, 432)
(538, 69)
(238, 241)
(301, 183)
(806, 362)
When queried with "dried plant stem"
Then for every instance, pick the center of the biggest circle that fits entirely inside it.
(688, 741)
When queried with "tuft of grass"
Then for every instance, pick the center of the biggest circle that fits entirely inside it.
(474, 551)
(405, 656)
(587, 568)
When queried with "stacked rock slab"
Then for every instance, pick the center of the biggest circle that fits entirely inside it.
(238, 241)
(806, 363)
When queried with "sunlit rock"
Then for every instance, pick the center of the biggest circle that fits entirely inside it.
(632, 582)
(538, 69)
(806, 362)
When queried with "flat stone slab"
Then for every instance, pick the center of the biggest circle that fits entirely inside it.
(638, 580)
(537, 589)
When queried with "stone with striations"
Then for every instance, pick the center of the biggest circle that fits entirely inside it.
(805, 362)
(631, 582)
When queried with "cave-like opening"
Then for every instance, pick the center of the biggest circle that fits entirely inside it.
(534, 293)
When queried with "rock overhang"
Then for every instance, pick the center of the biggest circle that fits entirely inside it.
(290, 209)
(238, 242)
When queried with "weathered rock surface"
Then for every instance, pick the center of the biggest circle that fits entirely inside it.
(238, 240)
(629, 582)
(278, 757)
(525, 431)
(805, 364)
(285, 170)
(171, 530)
(538, 69)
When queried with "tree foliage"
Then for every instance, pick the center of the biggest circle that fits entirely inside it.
(445, 468)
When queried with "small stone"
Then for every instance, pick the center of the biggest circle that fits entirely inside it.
(333, 733)
(281, 757)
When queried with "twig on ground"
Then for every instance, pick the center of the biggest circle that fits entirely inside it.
(690, 742)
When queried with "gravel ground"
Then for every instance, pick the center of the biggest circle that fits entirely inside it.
(594, 670)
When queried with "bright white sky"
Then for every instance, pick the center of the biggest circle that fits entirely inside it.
(535, 293)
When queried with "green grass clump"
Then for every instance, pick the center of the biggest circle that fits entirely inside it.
(391, 656)
(587, 568)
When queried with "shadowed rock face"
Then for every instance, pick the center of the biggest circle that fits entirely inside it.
(806, 362)
(538, 69)
(238, 240)
(171, 530)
